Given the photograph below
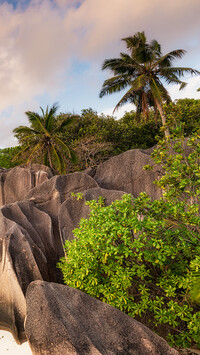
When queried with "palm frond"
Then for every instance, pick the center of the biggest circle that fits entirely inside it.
(179, 71)
(130, 95)
(70, 153)
(134, 41)
(65, 123)
(33, 151)
(62, 163)
(24, 129)
(36, 121)
(42, 111)
(155, 47)
(140, 82)
(122, 65)
(168, 58)
(58, 161)
(49, 116)
(115, 84)
(183, 85)
(22, 150)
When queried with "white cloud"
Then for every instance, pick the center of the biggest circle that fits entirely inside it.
(40, 41)
(189, 92)
(120, 112)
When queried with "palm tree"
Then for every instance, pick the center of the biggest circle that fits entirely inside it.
(43, 139)
(143, 71)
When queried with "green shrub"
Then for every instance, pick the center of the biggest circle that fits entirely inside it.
(142, 256)
(135, 255)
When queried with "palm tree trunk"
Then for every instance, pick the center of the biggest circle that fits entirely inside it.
(163, 117)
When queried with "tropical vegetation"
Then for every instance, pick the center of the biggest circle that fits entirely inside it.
(143, 71)
(95, 138)
(42, 139)
(7, 157)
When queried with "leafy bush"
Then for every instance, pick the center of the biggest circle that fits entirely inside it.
(135, 255)
(142, 256)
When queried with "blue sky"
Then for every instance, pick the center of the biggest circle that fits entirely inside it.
(53, 50)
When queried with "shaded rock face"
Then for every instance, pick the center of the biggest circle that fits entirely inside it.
(50, 195)
(26, 254)
(63, 320)
(125, 172)
(30, 244)
(16, 182)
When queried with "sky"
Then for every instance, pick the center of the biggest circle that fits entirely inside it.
(53, 50)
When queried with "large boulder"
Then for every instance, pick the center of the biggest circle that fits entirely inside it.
(63, 320)
(16, 182)
(125, 172)
(27, 253)
(31, 246)
(73, 209)
(50, 195)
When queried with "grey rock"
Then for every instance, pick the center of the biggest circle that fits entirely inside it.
(125, 172)
(16, 182)
(50, 195)
(26, 254)
(63, 320)
(30, 245)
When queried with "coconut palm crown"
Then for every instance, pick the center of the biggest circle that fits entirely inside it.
(43, 139)
(143, 70)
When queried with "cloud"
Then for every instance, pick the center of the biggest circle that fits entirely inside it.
(40, 40)
(189, 92)
(35, 51)
(106, 22)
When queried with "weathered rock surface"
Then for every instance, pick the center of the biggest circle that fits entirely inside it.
(72, 210)
(15, 183)
(27, 253)
(30, 245)
(125, 173)
(50, 195)
(63, 320)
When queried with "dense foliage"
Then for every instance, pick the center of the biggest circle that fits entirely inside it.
(103, 136)
(7, 157)
(142, 256)
(96, 138)
(93, 137)
(186, 111)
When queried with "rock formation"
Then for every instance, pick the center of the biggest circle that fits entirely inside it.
(71, 322)
(125, 172)
(16, 182)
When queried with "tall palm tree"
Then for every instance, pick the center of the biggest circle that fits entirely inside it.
(43, 139)
(143, 71)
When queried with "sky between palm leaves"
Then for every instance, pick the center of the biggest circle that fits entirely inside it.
(53, 50)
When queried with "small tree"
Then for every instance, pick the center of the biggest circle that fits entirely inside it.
(42, 139)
